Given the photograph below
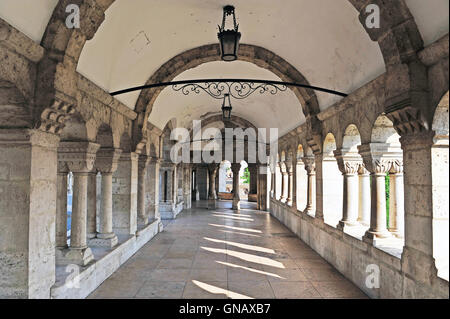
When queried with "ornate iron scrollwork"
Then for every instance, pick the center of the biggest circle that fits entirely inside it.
(238, 90)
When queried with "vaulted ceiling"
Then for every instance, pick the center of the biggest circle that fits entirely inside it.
(324, 40)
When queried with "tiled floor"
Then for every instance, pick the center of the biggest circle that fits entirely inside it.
(225, 254)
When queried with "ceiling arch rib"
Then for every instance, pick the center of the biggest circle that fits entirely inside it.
(282, 111)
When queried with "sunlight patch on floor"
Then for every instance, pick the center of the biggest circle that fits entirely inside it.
(216, 290)
(243, 246)
(246, 257)
(237, 228)
(250, 269)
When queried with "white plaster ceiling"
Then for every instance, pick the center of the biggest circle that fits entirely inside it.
(431, 17)
(28, 16)
(282, 110)
(322, 39)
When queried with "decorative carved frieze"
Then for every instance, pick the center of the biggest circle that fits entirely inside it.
(53, 117)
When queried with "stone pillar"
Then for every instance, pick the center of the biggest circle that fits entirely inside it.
(141, 191)
(152, 190)
(106, 163)
(364, 196)
(212, 195)
(290, 194)
(417, 258)
(396, 196)
(253, 170)
(349, 164)
(92, 205)
(235, 168)
(311, 195)
(317, 185)
(61, 207)
(284, 183)
(79, 158)
(377, 160)
(125, 180)
(28, 190)
(272, 183)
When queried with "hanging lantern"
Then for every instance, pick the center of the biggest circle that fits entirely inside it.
(226, 107)
(229, 39)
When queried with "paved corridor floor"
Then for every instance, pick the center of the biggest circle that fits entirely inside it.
(226, 254)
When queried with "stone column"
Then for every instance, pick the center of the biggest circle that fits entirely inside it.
(290, 192)
(106, 163)
(311, 194)
(92, 205)
(141, 191)
(318, 189)
(349, 164)
(28, 191)
(284, 183)
(79, 158)
(235, 168)
(125, 184)
(253, 170)
(212, 195)
(61, 207)
(396, 197)
(272, 183)
(152, 190)
(377, 161)
(418, 255)
(364, 196)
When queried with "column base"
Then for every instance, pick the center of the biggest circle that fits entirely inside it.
(310, 212)
(142, 222)
(396, 232)
(371, 236)
(160, 226)
(212, 204)
(91, 235)
(236, 204)
(104, 240)
(345, 224)
(289, 202)
(67, 256)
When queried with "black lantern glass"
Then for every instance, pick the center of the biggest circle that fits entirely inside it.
(229, 39)
(226, 107)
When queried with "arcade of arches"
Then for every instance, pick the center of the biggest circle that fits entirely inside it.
(86, 179)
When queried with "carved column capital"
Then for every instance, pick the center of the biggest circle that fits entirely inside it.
(378, 157)
(348, 162)
(310, 164)
(235, 167)
(107, 159)
(78, 157)
(396, 167)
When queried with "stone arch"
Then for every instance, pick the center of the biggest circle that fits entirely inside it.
(399, 40)
(440, 119)
(351, 138)
(383, 131)
(440, 182)
(329, 144)
(332, 184)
